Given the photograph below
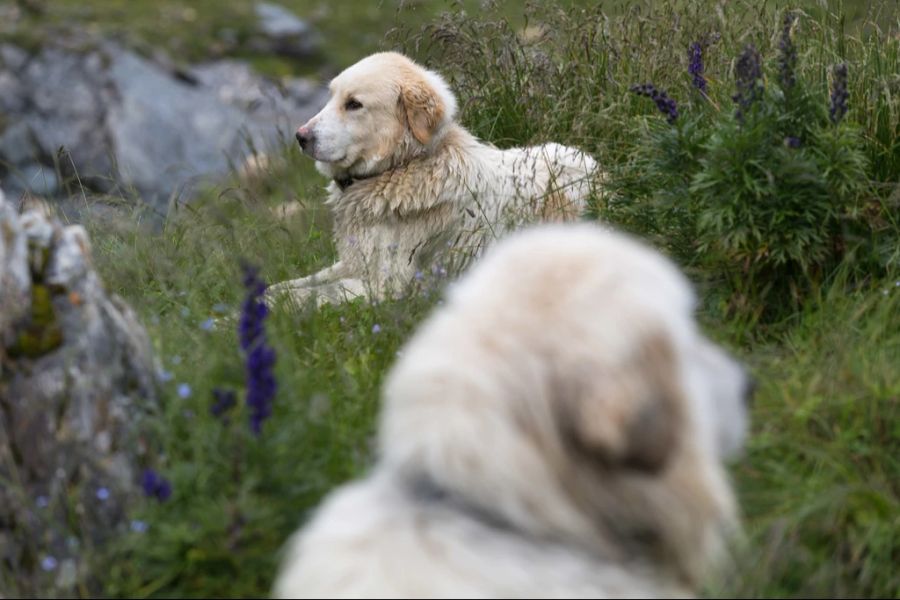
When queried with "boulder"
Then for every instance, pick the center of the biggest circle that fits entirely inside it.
(95, 116)
(76, 378)
(282, 32)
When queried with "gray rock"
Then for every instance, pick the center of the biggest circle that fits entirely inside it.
(11, 94)
(12, 57)
(38, 179)
(67, 93)
(164, 130)
(76, 379)
(283, 32)
(106, 117)
(277, 21)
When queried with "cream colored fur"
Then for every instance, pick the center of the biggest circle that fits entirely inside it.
(557, 429)
(425, 194)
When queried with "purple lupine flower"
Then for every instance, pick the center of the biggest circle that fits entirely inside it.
(666, 105)
(224, 401)
(155, 485)
(748, 77)
(787, 53)
(695, 68)
(163, 490)
(839, 94)
(260, 357)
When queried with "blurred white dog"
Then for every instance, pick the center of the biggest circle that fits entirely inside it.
(411, 189)
(556, 430)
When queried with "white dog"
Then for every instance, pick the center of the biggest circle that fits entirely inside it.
(412, 190)
(556, 430)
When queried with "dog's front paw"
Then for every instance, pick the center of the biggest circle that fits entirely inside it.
(289, 293)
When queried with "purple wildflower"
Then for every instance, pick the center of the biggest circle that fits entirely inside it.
(695, 68)
(376, 328)
(225, 401)
(749, 81)
(839, 94)
(665, 104)
(184, 390)
(155, 485)
(787, 53)
(103, 494)
(260, 357)
(792, 142)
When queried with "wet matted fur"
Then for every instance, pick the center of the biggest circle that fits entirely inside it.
(557, 429)
(413, 190)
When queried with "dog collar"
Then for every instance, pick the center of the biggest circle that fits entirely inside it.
(346, 181)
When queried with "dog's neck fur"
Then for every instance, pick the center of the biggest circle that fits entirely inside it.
(609, 540)
(366, 197)
(408, 154)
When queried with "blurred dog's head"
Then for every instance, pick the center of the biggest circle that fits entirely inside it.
(383, 110)
(566, 388)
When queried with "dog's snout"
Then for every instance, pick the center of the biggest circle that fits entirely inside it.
(305, 137)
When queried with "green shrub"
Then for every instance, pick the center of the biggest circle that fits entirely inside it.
(763, 192)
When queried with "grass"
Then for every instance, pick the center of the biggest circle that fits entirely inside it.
(819, 482)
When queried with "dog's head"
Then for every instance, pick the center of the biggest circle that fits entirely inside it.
(566, 388)
(383, 110)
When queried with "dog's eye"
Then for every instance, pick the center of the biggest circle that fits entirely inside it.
(352, 104)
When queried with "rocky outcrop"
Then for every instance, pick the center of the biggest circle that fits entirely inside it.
(78, 115)
(76, 375)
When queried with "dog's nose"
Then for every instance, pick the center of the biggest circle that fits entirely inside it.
(305, 137)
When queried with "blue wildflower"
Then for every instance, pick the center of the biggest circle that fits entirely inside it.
(165, 376)
(260, 357)
(748, 77)
(139, 526)
(695, 68)
(155, 485)
(225, 400)
(102, 494)
(839, 94)
(184, 390)
(666, 105)
(376, 328)
(208, 324)
(792, 142)
(42, 502)
(49, 563)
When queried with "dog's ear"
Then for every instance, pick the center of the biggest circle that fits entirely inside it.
(629, 416)
(426, 103)
(423, 107)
